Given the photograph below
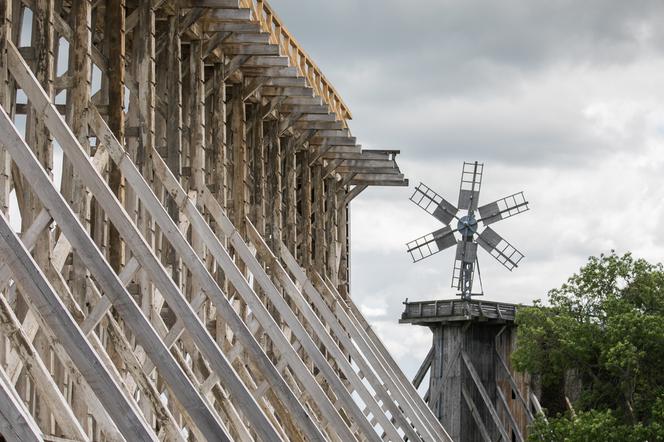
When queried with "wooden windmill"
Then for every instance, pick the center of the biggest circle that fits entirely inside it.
(472, 387)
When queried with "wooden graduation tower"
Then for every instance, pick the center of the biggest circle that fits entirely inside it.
(472, 387)
(181, 172)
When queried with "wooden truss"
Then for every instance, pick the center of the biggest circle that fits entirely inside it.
(186, 277)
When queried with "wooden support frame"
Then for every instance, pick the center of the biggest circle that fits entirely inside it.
(34, 284)
(151, 281)
(206, 420)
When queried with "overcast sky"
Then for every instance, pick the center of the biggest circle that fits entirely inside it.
(561, 99)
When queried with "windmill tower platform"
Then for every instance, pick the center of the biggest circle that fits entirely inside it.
(473, 389)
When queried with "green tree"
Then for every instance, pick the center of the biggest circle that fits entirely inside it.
(605, 329)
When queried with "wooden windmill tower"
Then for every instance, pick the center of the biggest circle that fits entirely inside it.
(472, 387)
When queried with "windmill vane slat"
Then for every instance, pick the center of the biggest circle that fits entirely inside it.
(175, 265)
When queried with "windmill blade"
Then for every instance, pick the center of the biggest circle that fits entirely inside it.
(499, 248)
(503, 208)
(431, 243)
(434, 204)
(466, 253)
(471, 181)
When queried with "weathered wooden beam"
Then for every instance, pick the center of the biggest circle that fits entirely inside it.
(115, 50)
(215, 26)
(229, 15)
(290, 197)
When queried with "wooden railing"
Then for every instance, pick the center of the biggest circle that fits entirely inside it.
(280, 36)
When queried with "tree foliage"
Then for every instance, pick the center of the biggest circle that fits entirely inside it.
(603, 333)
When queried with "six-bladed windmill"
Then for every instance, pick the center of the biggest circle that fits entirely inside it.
(467, 226)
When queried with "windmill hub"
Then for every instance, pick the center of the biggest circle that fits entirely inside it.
(467, 225)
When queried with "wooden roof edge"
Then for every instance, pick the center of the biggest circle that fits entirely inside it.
(271, 23)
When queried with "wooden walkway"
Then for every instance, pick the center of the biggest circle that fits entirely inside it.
(182, 173)
(421, 312)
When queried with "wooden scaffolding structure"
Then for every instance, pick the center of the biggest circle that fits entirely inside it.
(184, 275)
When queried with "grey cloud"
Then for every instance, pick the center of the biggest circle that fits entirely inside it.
(456, 46)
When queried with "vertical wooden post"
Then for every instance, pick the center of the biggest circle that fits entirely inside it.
(115, 39)
(274, 168)
(290, 196)
(196, 94)
(319, 218)
(258, 172)
(344, 277)
(37, 133)
(218, 147)
(144, 73)
(238, 136)
(174, 127)
(305, 232)
(78, 97)
(239, 164)
(331, 229)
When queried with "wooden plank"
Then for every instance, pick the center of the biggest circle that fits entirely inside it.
(122, 300)
(249, 49)
(33, 284)
(229, 15)
(212, 26)
(289, 91)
